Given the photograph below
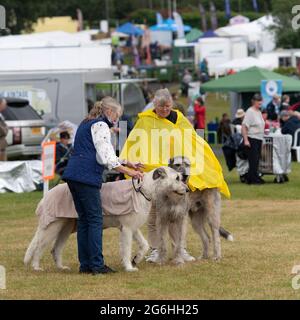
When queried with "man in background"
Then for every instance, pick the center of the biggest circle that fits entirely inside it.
(3, 131)
(63, 152)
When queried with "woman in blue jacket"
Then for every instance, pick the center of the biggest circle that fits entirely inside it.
(92, 152)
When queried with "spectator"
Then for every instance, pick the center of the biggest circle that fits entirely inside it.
(224, 130)
(200, 110)
(273, 108)
(186, 80)
(237, 121)
(63, 151)
(204, 74)
(285, 105)
(290, 123)
(3, 131)
(253, 133)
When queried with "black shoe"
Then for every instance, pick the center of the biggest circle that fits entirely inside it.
(104, 270)
(85, 271)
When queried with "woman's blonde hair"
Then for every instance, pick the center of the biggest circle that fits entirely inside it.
(100, 107)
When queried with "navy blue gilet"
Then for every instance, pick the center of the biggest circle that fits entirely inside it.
(83, 166)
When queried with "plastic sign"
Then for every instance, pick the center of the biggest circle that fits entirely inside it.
(270, 88)
(48, 160)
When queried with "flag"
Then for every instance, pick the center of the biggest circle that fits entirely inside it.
(213, 16)
(159, 18)
(203, 17)
(227, 9)
(79, 20)
(255, 5)
(179, 24)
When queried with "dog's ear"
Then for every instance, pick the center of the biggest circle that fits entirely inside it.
(171, 162)
(159, 173)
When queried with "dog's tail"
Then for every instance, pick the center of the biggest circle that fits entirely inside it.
(31, 249)
(225, 234)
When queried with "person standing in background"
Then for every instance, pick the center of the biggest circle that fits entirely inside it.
(3, 131)
(200, 112)
(253, 127)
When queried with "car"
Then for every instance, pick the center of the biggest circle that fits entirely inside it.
(26, 129)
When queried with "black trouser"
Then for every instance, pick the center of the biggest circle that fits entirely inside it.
(254, 153)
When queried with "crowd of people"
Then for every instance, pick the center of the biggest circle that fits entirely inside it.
(251, 127)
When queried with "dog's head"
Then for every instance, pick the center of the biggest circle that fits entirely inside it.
(182, 165)
(170, 181)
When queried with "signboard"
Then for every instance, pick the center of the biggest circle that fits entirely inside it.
(269, 88)
(48, 160)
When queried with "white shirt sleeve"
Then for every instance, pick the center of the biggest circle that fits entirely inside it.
(102, 141)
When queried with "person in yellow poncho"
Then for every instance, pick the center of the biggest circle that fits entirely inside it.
(163, 133)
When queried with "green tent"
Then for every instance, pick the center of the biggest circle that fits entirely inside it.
(249, 80)
(193, 35)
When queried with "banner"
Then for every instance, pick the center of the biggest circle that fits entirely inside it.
(270, 88)
(179, 24)
(203, 17)
(213, 16)
(227, 9)
(159, 18)
(255, 5)
(48, 160)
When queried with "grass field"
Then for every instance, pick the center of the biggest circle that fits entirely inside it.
(257, 265)
(265, 223)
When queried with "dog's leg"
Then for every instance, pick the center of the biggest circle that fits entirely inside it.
(178, 247)
(126, 247)
(162, 228)
(214, 216)
(143, 247)
(198, 224)
(44, 238)
(60, 243)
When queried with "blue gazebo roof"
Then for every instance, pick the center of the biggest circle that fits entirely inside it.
(168, 25)
(130, 29)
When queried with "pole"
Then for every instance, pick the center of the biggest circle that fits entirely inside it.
(107, 10)
(169, 9)
(175, 5)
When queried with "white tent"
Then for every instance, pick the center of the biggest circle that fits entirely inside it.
(242, 64)
(48, 39)
(56, 50)
(255, 32)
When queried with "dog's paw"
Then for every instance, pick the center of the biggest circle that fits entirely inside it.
(217, 259)
(203, 257)
(64, 268)
(178, 261)
(38, 269)
(132, 269)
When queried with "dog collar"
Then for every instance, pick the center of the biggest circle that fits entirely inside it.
(139, 189)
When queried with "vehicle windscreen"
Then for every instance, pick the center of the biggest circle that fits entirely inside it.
(20, 112)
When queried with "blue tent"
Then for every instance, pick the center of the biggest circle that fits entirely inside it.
(130, 29)
(168, 25)
(209, 34)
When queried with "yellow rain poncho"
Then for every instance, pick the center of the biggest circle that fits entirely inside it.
(154, 140)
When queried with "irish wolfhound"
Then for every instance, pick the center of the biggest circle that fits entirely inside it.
(61, 224)
(203, 207)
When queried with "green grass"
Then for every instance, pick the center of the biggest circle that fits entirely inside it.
(263, 219)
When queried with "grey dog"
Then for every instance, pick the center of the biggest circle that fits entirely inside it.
(204, 207)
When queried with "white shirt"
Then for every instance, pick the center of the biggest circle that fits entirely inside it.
(255, 123)
(102, 141)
